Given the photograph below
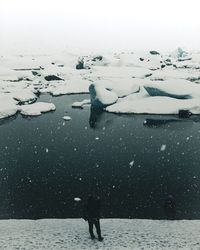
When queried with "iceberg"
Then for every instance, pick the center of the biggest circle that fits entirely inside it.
(122, 87)
(24, 96)
(153, 91)
(155, 105)
(81, 104)
(179, 89)
(101, 97)
(179, 53)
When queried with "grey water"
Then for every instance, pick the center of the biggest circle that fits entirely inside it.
(133, 162)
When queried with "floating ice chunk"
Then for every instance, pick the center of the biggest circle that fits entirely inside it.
(173, 73)
(180, 89)
(53, 78)
(141, 63)
(101, 97)
(155, 105)
(8, 106)
(131, 163)
(187, 65)
(24, 95)
(121, 86)
(80, 64)
(163, 147)
(8, 111)
(67, 118)
(77, 199)
(80, 104)
(125, 89)
(183, 59)
(86, 62)
(36, 108)
(179, 53)
(154, 91)
(7, 74)
(73, 86)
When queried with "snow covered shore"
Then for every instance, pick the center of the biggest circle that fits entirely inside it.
(119, 234)
(145, 82)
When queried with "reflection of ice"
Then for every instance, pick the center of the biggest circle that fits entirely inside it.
(159, 122)
(95, 117)
(98, 118)
(169, 120)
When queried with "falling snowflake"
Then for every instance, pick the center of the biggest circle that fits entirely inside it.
(163, 147)
(131, 163)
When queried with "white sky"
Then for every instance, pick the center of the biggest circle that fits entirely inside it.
(96, 25)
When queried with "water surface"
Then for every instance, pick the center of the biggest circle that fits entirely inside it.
(132, 161)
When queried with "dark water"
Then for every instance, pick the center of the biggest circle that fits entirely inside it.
(45, 163)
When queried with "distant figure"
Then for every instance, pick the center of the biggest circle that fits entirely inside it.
(92, 215)
(170, 207)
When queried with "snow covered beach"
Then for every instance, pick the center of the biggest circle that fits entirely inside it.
(118, 234)
(146, 82)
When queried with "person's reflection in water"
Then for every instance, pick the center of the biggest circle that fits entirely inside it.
(170, 208)
(91, 213)
(95, 116)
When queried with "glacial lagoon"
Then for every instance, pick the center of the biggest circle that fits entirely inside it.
(133, 162)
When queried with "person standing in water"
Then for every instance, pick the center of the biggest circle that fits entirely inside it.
(92, 215)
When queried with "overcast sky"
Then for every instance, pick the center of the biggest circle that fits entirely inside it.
(96, 25)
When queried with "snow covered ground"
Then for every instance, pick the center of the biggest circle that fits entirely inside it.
(134, 82)
(119, 234)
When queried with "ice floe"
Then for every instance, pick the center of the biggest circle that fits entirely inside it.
(24, 96)
(122, 87)
(132, 82)
(73, 86)
(156, 105)
(180, 89)
(101, 97)
(67, 118)
(36, 109)
(80, 104)
(8, 106)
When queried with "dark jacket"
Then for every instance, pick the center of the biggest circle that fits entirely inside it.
(92, 208)
(170, 208)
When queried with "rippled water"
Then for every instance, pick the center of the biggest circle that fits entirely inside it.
(132, 161)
